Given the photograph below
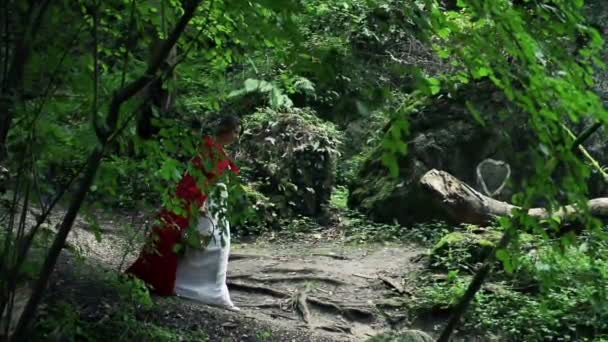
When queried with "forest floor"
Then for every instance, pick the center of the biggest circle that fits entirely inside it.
(297, 287)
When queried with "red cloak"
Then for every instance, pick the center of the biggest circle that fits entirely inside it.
(157, 263)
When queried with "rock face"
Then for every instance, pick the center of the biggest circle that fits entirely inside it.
(445, 136)
(291, 159)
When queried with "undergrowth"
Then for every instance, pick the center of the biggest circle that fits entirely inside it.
(115, 312)
(552, 295)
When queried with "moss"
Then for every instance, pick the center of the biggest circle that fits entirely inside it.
(458, 249)
(451, 239)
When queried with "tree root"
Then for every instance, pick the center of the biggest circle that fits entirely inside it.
(257, 288)
(394, 284)
(333, 256)
(364, 276)
(301, 305)
(275, 315)
(350, 312)
(337, 328)
(238, 256)
(262, 305)
(291, 270)
(288, 278)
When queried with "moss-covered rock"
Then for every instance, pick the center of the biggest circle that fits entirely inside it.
(462, 248)
(291, 159)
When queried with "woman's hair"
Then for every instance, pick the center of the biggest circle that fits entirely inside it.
(227, 124)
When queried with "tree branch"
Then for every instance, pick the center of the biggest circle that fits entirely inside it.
(93, 163)
(134, 87)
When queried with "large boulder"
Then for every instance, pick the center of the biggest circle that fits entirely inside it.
(290, 157)
(445, 136)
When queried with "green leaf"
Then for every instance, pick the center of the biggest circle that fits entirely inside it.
(390, 161)
(276, 98)
(475, 113)
(170, 170)
(506, 259)
(444, 32)
(481, 72)
(252, 85)
(434, 85)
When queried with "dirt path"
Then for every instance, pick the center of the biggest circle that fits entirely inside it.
(325, 287)
(311, 290)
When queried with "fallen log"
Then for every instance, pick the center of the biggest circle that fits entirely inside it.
(464, 204)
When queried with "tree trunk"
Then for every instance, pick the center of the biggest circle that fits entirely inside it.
(463, 204)
(11, 91)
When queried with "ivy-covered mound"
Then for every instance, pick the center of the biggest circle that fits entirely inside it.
(290, 158)
(445, 136)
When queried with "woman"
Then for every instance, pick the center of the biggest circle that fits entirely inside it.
(199, 274)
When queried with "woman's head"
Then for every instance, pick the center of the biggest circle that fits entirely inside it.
(228, 130)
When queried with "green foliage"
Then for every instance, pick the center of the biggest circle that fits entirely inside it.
(359, 229)
(534, 58)
(363, 136)
(533, 64)
(543, 57)
(63, 322)
(339, 198)
(35, 260)
(347, 169)
(358, 53)
(264, 335)
(463, 250)
(571, 306)
(276, 97)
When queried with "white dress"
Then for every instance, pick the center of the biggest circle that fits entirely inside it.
(201, 273)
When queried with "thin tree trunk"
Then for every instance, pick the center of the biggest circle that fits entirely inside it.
(93, 163)
(12, 88)
(474, 286)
